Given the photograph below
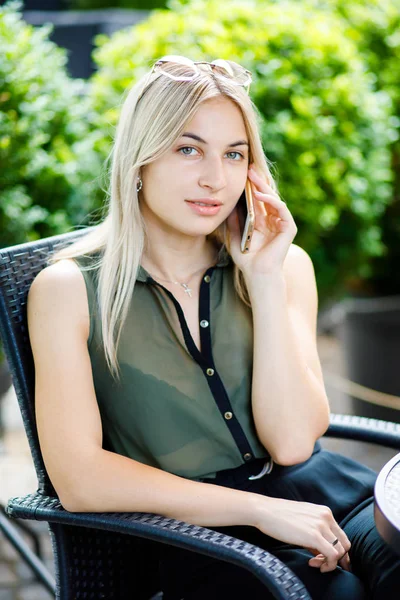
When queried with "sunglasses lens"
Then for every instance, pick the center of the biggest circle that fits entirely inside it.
(179, 68)
(240, 73)
(228, 68)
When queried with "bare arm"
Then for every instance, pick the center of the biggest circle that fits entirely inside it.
(116, 483)
(290, 405)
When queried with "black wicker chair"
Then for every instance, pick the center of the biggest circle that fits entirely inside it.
(114, 555)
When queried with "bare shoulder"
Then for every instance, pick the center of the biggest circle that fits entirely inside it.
(298, 270)
(297, 256)
(66, 267)
(297, 261)
(61, 287)
(61, 277)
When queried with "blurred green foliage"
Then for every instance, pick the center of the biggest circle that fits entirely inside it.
(323, 123)
(96, 4)
(326, 87)
(48, 156)
(374, 26)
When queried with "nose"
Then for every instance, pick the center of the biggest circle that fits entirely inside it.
(213, 175)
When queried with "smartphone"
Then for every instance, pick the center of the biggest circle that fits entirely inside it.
(245, 208)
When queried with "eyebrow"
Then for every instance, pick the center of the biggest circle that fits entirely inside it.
(199, 139)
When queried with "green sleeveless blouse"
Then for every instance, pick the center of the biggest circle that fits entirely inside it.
(175, 408)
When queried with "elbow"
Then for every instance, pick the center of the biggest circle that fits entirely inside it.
(326, 423)
(288, 460)
(287, 457)
(302, 447)
(71, 506)
(72, 503)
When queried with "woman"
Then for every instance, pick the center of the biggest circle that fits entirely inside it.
(197, 363)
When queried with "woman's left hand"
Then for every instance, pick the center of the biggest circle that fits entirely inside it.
(273, 234)
(319, 560)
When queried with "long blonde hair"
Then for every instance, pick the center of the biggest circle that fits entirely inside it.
(153, 116)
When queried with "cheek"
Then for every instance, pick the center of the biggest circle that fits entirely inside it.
(167, 177)
(240, 185)
(163, 192)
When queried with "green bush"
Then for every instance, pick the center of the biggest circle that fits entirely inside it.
(49, 153)
(96, 4)
(374, 25)
(323, 123)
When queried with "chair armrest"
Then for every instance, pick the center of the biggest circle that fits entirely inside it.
(353, 427)
(274, 574)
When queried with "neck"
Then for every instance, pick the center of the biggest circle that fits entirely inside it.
(177, 263)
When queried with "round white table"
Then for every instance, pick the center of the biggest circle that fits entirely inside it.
(387, 503)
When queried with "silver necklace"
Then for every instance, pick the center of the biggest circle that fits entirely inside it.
(185, 286)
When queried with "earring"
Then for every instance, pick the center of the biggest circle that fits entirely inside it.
(139, 187)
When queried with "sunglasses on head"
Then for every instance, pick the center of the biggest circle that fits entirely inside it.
(180, 68)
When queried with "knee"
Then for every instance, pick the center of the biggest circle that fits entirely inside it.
(372, 559)
(347, 585)
(333, 585)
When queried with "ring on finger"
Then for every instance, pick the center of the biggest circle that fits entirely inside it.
(338, 548)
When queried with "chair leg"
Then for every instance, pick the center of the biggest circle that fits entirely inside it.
(42, 574)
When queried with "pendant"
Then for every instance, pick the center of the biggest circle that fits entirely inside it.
(187, 289)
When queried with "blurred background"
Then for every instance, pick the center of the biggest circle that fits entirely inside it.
(326, 83)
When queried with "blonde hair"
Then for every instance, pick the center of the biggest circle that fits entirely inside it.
(147, 128)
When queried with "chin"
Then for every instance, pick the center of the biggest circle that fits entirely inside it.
(208, 228)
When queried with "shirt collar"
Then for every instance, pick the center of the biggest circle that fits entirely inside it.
(224, 260)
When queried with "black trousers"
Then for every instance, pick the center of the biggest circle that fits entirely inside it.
(326, 478)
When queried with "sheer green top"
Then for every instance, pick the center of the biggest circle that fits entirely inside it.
(175, 408)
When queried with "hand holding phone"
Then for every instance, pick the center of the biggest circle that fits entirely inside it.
(267, 214)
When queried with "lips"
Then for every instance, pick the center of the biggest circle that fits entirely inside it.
(205, 201)
(206, 209)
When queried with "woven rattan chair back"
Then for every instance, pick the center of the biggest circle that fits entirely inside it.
(19, 265)
(91, 563)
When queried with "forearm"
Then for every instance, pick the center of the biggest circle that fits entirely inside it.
(289, 403)
(111, 482)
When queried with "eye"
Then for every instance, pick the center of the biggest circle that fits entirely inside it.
(192, 148)
(238, 153)
(186, 148)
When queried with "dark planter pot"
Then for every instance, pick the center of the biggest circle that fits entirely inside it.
(75, 30)
(370, 334)
(42, 4)
(45, 4)
(5, 377)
